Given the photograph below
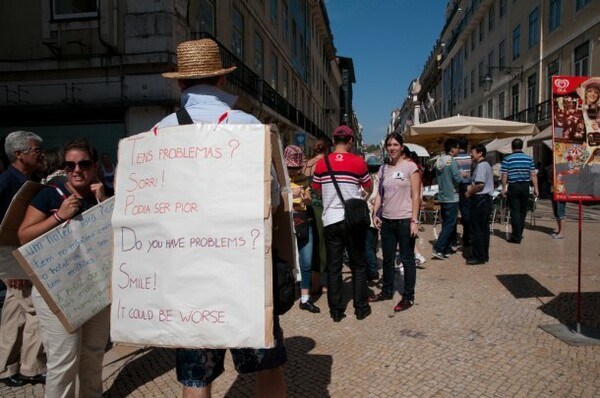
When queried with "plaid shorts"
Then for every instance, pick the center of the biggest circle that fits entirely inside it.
(199, 367)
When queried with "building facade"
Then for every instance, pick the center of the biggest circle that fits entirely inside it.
(92, 68)
(495, 58)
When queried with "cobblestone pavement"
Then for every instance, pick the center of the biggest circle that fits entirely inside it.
(474, 331)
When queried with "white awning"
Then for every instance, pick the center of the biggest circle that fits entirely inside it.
(548, 143)
(418, 149)
(543, 136)
(503, 145)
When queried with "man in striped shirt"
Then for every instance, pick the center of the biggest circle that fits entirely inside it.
(351, 174)
(518, 173)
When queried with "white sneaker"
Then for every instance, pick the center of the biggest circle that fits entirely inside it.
(439, 255)
(419, 258)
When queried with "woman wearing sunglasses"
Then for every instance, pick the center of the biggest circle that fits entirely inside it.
(78, 354)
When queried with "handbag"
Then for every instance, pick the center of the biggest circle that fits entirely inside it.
(381, 192)
(356, 211)
(301, 224)
(284, 286)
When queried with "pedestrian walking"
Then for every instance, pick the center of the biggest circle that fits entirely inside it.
(351, 173)
(448, 177)
(294, 160)
(201, 77)
(463, 159)
(479, 193)
(374, 165)
(74, 359)
(559, 210)
(400, 204)
(518, 174)
(22, 357)
(319, 263)
(413, 157)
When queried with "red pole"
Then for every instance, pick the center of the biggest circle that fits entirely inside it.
(579, 271)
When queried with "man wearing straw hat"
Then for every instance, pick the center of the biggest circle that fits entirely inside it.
(201, 77)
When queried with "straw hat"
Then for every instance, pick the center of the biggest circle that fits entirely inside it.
(198, 59)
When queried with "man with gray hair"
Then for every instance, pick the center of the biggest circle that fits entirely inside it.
(22, 358)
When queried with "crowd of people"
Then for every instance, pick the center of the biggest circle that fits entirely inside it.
(36, 348)
(394, 190)
(466, 187)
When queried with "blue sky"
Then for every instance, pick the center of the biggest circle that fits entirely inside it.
(389, 42)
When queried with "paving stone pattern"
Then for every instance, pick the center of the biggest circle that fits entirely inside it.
(468, 335)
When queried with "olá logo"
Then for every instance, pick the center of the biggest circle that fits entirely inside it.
(561, 85)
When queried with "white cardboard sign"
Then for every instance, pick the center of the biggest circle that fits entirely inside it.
(192, 238)
(70, 265)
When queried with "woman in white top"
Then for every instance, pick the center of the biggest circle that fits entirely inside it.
(399, 201)
(74, 359)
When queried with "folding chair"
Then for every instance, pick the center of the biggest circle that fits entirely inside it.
(531, 207)
(497, 211)
(430, 208)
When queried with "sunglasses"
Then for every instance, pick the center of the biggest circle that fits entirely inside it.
(84, 165)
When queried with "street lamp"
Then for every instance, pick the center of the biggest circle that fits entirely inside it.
(487, 80)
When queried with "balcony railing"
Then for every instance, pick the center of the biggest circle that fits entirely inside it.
(260, 90)
(538, 114)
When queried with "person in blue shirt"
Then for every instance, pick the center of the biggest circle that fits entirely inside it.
(518, 174)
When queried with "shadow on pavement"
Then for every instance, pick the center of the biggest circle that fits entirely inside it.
(306, 374)
(523, 286)
(564, 308)
(500, 232)
(540, 228)
(145, 368)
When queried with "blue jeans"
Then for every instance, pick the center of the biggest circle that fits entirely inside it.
(305, 251)
(558, 208)
(371, 249)
(396, 233)
(449, 219)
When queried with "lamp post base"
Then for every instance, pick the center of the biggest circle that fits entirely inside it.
(575, 335)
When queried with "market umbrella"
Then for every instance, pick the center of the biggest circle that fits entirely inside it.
(476, 129)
